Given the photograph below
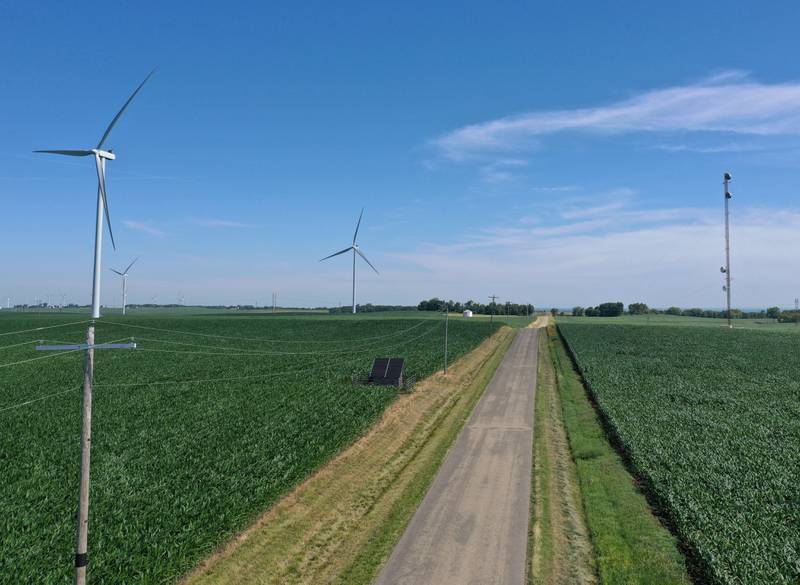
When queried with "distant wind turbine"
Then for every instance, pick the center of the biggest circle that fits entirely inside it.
(356, 250)
(100, 158)
(124, 275)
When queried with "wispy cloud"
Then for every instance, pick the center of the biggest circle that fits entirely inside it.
(729, 102)
(221, 223)
(661, 256)
(502, 170)
(144, 227)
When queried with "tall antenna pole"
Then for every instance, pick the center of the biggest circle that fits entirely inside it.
(725, 181)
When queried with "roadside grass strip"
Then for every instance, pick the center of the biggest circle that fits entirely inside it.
(709, 422)
(630, 544)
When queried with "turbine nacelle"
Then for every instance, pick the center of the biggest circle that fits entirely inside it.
(106, 154)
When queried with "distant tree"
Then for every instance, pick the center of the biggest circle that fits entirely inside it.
(773, 312)
(590, 312)
(674, 311)
(554, 312)
(638, 309)
(577, 311)
(610, 309)
(693, 312)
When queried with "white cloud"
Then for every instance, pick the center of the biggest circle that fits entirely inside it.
(221, 223)
(728, 102)
(143, 227)
(673, 261)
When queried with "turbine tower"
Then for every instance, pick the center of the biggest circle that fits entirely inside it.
(356, 250)
(124, 275)
(100, 158)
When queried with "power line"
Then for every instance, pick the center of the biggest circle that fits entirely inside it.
(44, 357)
(207, 380)
(266, 340)
(27, 402)
(46, 327)
(256, 352)
(18, 344)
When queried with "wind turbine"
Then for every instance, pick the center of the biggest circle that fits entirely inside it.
(356, 250)
(100, 158)
(124, 275)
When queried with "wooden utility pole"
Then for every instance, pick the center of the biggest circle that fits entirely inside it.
(82, 538)
(493, 297)
(82, 542)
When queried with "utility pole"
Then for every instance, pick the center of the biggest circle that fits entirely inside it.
(726, 270)
(274, 300)
(82, 538)
(493, 297)
(796, 310)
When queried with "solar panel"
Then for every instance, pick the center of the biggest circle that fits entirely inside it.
(387, 371)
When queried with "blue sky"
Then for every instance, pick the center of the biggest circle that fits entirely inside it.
(553, 154)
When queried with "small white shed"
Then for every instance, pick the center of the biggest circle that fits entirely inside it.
(468, 313)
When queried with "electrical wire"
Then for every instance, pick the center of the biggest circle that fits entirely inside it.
(27, 402)
(41, 328)
(254, 376)
(2, 347)
(202, 380)
(266, 340)
(54, 354)
(228, 348)
(257, 353)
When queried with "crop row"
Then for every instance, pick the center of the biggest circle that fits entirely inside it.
(710, 421)
(193, 435)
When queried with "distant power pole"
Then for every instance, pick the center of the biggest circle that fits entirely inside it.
(726, 270)
(796, 310)
(493, 297)
(274, 300)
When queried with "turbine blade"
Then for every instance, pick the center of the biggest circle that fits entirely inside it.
(337, 253)
(360, 253)
(101, 185)
(117, 271)
(67, 152)
(355, 235)
(114, 121)
(131, 264)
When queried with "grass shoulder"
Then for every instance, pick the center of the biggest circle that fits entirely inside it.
(630, 543)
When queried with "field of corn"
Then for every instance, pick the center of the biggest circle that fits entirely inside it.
(194, 433)
(710, 422)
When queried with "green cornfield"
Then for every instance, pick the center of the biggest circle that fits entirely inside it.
(709, 420)
(194, 434)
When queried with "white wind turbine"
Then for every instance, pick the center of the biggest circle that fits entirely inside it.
(100, 158)
(124, 275)
(356, 250)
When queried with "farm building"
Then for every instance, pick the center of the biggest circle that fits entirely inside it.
(468, 313)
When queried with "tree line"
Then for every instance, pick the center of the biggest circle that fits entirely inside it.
(437, 304)
(617, 308)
